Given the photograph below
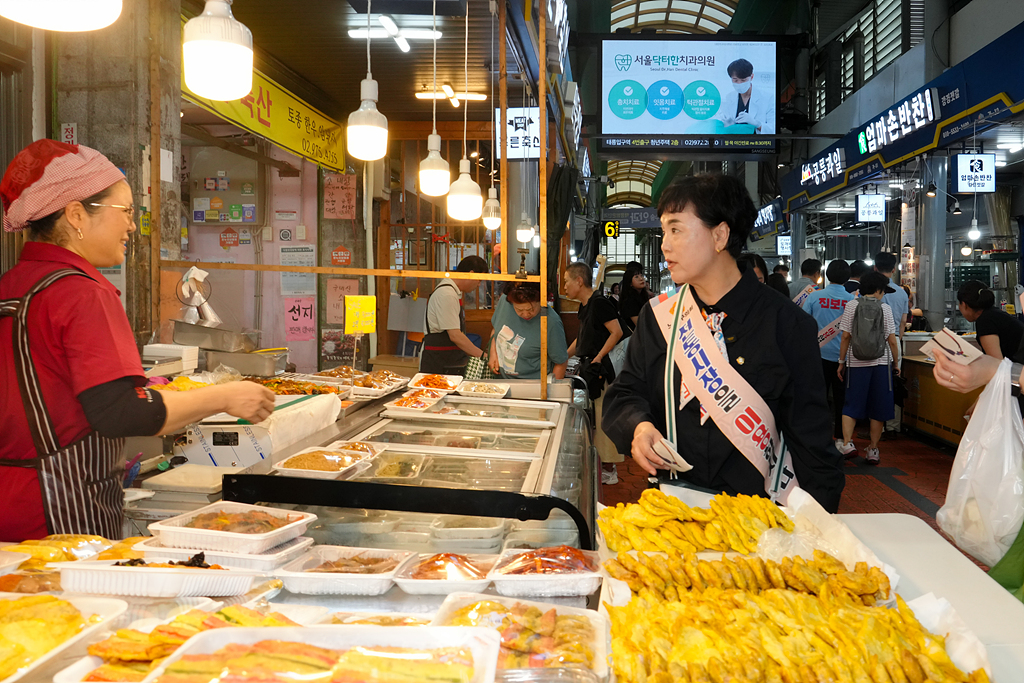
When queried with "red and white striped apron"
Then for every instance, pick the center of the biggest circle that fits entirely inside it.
(80, 484)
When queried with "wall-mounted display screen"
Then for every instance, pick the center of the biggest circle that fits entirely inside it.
(784, 244)
(718, 95)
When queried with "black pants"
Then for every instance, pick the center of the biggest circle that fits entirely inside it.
(838, 387)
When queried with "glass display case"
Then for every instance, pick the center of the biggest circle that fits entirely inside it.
(442, 437)
(490, 411)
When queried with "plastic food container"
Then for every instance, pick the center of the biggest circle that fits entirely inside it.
(601, 644)
(368, 448)
(487, 546)
(383, 619)
(453, 382)
(544, 585)
(482, 643)
(368, 392)
(527, 539)
(361, 522)
(396, 468)
(105, 611)
(457, 527)
(262, 562)
(417, 405)
(430, 394)
(348, 462)
(10, 560)
(414, 586)
(473, 388)
(103, 578)
(173, 532)
(298, 579)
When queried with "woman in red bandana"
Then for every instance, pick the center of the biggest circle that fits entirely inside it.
(71, 382)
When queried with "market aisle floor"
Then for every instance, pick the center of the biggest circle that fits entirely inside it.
(911, 479)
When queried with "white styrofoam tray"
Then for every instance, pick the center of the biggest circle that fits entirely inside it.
(103, 578)
(393, 407)
(602, 627)
(376, 448)
(480, 527)
(465, 389)
(264, 562)
(483, 643)
(453, 381)
(344, 473)
(107, 609)
(377, 393)
(10, 560)
(305, 615)
(298, 579)
(544, 585)
(441, 393)
(172, 532)
(443, 586)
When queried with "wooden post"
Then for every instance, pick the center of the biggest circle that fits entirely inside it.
(155, 223)
(499, 139)
(542, 171)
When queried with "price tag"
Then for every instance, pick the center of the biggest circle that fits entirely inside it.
(360, 314)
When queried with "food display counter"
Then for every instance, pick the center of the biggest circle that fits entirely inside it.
(930, 408)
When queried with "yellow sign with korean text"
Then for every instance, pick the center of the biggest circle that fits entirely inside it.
(272, 112)
(360, 314)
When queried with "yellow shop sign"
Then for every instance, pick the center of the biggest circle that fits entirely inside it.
(272, 112)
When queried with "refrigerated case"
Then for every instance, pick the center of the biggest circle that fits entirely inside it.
(530, 461)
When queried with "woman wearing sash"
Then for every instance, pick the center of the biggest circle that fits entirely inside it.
(71, 382)
(749, 413)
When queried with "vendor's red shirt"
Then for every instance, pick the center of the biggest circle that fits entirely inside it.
(80, 338)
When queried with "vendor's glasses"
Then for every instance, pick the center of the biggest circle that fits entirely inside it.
(129, 211)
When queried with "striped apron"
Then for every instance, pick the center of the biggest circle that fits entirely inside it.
(80, 484)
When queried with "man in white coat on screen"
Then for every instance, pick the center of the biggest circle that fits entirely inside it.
(751, 106)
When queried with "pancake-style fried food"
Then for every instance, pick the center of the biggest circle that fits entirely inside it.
(32, 626)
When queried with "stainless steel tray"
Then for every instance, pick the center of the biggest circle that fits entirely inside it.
(252, 364)
(213, 337)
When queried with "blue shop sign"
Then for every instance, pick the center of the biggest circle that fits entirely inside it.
(770, 218)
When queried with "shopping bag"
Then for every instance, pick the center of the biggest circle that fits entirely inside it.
(618, 355)
(984, 504)
(475, 367)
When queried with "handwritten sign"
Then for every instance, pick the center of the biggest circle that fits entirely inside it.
(360, 314)
(341, 257)
(300, 318)
(339, 196)
(337, 290)
(229, 238)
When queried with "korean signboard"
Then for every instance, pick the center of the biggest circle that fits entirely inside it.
(973, 173)
(300, 318)
(825, 168)
(522, 133)
(769, 219)
(632, 219)
(899, 121)
(871, 208)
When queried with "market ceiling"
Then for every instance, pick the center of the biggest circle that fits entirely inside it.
(311, 40)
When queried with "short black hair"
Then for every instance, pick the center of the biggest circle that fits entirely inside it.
(811, 266)
(777, 281)
(872, 283)
(838, 271)
(859, 269)
(741, 68)
(976, 295)
(472, 264)
(754, 260)
(885, 262)
(715, 198)
(581, 270)
(780, 267)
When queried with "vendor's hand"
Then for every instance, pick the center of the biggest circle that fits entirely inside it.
(644, 437)
(248, 400)
(492, 363)
(840, 369)
(964, 378)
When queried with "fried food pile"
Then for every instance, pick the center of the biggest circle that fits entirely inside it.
(291, 387)
(32, 626)
(323, 460)
(530, 638)
(279, 660)
(775, 636)
(435, 382)
(380, 619)
(357, 564)
(341, 372)
(180, 383)
(660, 522)
(129, 655)
(657, 577)
(249, 522)
(60, 548)
(447, 567)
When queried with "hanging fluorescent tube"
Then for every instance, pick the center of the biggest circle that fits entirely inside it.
(407, 33)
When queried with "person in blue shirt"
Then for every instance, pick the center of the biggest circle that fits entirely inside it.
(826, 307)
(899, 302)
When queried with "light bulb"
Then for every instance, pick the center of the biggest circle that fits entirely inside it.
(435, 178)
(216, 37)
(367, 131)
(536, 241)
(974, 234)
(62, 15)
(524, 231)
(492, 210)
(465, 201)
(965, 250)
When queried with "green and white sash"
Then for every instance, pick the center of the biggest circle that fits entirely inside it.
(736, 408)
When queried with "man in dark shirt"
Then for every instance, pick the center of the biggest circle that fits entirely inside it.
(858, 269)
(599, 332)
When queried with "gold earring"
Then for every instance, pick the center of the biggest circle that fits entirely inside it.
(718, 251)
(80, 235)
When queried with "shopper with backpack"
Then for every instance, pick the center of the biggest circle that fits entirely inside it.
(870, 350)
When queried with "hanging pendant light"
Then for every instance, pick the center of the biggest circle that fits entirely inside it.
(465, 201)
(492, 207)
(216, 38)
(435, 178)
(524, 231)
(62, 15)
(367, 132)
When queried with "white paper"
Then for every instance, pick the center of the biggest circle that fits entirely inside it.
(166, 166)
(200, 203)
(294, 284)
(962, 645)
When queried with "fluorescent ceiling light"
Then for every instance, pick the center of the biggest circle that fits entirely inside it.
(447, 93)
(419, 34)
(361, 33)
(1000, 164)
(448, 90)
(389, 24)
(403, 44)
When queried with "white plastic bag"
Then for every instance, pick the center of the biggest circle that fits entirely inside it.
(984, 504)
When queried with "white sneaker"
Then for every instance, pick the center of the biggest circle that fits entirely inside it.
(609, 477)
(847, 449)
(872, 456)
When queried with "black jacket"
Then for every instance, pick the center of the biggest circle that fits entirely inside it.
(773, 345)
